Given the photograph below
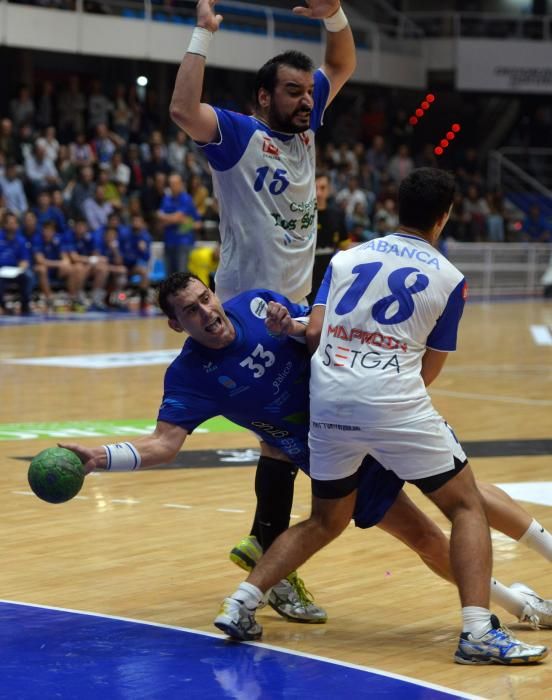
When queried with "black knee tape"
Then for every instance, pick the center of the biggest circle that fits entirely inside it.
(274, 482)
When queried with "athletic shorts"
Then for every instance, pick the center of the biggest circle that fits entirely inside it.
(414, 451)
(377, 491)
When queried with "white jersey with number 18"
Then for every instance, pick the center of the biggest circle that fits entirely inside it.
(387, 301)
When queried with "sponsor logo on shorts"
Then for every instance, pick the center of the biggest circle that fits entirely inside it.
(334, 426)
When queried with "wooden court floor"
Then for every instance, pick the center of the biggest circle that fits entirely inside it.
(154, 545)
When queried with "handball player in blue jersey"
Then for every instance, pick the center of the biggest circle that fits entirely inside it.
(242, 361)
(391, 312)
(263, 171)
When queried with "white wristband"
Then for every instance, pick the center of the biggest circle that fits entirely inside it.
(336, 22)
(122, 457)
(199, 43)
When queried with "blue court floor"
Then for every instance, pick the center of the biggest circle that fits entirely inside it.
(52, 653)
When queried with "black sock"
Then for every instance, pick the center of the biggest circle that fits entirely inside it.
(274, 482)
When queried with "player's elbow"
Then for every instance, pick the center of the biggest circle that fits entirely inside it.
(312, 336)
(183, 114)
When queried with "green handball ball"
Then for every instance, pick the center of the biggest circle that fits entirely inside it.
(56, 475)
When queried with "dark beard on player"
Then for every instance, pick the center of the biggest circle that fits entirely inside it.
(285, 124)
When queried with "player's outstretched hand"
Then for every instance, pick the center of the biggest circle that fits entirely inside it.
(278, 321)
(318, 9)
(91, 457)
(206, 16)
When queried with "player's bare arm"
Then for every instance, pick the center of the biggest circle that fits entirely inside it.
(340, 58)
(196, 118)
(314, 329)
(433, 362)
(160, 447)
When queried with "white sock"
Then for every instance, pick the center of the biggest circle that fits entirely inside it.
(538, 539)
(249, 595)
(477, 621)
(507, 598)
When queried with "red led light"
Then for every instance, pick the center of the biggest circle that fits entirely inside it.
(438, 151)
(419, 112)
(413, 121)
(455, 128)
(430, 98)
(444, 143)
(425, 105)
(451, 135)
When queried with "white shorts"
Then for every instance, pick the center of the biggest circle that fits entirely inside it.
(418, 450)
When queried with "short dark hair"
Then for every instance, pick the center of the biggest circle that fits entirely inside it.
(267, 75)
(424, 196)
(172, 285)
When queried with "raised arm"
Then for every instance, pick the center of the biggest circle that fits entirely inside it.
(160, 447)
(196, 118)
(340, 58)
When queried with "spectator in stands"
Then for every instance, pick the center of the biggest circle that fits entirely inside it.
(331, 232)
(135, 106)
(136, 250)
(25, 142)
(157, 162)
(99, 106)
(49, 143)
(199, 193)
(14, 255)
(22, 107)
(376, 155)
(11, 186)
(468, 170)
(8, 142)
(80, 244)
(71, 108)
(180, 220)
(81, 151)
(477, 211)
(46, 211)
(105, 143)
(119, 171)
(151, 197)
(495, 218)
(97, 209)
(41, 171)
(108, 246)
(53, 266)
(146, 148)
(121, 113)
(137, 178)
(45, 110)
(536, 226)
(352, 195)
(401, 164)
(67, 170)
(178, 148)
(29, 230)
(84, 189)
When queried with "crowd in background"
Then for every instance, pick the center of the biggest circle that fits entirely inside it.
(88, 180)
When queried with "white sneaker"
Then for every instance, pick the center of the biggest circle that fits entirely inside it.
(497, 646)
(537, 611)
(290, 599)
(238, 621)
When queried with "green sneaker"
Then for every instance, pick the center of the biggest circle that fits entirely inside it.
(246, 553)
(291, 599)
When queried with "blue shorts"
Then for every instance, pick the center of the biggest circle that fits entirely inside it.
(378, 489)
